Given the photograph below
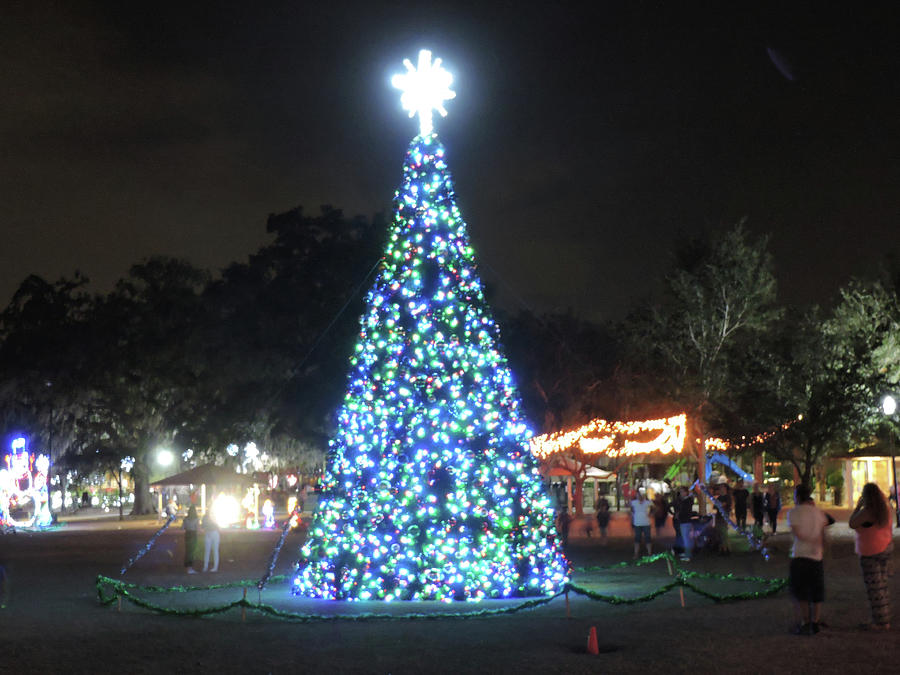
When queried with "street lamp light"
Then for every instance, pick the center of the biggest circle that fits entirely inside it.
(165, 457)
(889, 407)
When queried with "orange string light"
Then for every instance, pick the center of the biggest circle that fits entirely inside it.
(616, 439)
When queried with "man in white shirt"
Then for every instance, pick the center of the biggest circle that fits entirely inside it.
(807, 572)
(640, 520)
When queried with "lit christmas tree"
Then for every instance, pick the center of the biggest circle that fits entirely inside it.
(430, 490)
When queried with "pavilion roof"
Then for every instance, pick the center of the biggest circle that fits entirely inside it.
(208, 474)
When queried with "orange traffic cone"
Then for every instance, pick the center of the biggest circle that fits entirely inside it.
(592, 647)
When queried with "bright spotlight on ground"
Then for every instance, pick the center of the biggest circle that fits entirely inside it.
(225, 510)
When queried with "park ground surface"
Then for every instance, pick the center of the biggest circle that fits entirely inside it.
(54, 623)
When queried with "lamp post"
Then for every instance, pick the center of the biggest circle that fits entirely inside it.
(50, 454)
(889, 407)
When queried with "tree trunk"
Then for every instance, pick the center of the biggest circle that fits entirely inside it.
(578, 497)
(62, 490)
(807, 461)
(140, 472)
(700, 451)
(759, 468)
(121, 506)
(820, 479)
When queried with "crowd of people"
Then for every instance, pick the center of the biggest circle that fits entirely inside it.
(871, 521)
(691, 529)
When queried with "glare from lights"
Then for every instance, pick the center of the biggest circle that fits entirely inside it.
(889, 405)
(225, 510)
(127, 463)
(165, 457)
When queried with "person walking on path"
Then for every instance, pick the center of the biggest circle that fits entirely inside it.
(758, 501)
(603, 518)
(806, 579)
(773, 506)
(640, 521)
(211, 542)
(190, 524)
(741, 496)
(871, 520)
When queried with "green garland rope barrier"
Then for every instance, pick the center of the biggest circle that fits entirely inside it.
(110, 590)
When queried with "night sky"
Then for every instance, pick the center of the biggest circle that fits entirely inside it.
(583, 143)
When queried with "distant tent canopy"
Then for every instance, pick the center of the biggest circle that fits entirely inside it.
(563, 467)
(208, 474)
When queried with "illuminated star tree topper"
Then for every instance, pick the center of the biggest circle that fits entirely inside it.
(425, 88)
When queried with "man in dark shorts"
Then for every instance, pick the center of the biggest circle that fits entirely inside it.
(806, 580)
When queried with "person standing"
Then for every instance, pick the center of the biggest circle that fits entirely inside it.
(806, 579)
(773, 506)
(758, 501)
(603, 518)
(684, 514)
(211, 542)
(640, 521)
(741, 497)
(722, 515)
(660, 513)
(190, 524)
(871, 520)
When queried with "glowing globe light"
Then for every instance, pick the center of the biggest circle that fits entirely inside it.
(889, 405)
(165, 457)
(425, 88)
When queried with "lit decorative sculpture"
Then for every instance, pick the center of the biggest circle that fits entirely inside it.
(268, 511)
(251, 508)
(24, 481)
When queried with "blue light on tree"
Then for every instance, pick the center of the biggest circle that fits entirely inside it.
(430, 490)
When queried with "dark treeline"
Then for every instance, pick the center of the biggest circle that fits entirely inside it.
(718, 346)
(173, 357)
